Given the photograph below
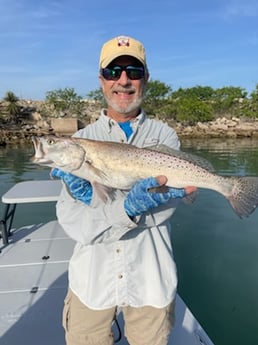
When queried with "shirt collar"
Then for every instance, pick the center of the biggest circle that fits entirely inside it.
(137, 121)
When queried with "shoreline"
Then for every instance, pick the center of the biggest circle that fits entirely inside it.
(220, 128)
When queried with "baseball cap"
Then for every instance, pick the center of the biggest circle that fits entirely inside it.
(121, 45)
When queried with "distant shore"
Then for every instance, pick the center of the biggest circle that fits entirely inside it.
(34, 119)
(219, 128)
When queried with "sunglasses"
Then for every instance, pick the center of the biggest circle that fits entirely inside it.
(114, 73)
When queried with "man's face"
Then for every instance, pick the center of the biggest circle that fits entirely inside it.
(124, 95)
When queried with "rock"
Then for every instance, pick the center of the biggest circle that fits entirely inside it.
(35, 116)
(219, 127)
(35, 122)
(202, 126)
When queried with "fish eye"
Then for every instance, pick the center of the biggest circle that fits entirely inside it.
(51, 141)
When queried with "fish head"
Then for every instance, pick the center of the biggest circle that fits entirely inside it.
(58, 152)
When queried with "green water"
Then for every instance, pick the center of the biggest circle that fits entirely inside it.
(15, 166)
(216, 252)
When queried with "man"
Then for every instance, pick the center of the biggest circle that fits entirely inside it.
(123, 256)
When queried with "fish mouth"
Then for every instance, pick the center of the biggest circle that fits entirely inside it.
(42, 161)
(39, 156)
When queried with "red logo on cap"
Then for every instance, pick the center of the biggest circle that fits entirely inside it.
(123, 41)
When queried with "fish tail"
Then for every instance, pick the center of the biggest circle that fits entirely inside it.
(244, 195)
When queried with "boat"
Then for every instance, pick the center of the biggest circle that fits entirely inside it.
(33, 266)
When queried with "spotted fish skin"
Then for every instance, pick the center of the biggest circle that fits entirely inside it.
(111, 165)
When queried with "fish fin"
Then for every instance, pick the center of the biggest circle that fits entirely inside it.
(202, 162)
(96, 172)
(244, 196)
(100, 192)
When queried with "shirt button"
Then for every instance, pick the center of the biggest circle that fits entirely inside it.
(118, 250)
(120, 276)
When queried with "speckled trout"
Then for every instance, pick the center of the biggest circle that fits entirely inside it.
(111, 165)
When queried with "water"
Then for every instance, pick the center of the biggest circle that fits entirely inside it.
(216, 252)
(15, 166)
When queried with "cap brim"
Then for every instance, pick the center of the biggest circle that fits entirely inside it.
(106, 62)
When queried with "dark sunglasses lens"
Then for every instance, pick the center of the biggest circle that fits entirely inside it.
(134, 73)
(114, 73)
(111, 73)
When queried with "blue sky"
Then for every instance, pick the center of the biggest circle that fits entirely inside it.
(47, 45)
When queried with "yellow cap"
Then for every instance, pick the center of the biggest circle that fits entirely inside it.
(119, 46)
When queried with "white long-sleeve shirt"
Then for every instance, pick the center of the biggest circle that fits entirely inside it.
(117, 261)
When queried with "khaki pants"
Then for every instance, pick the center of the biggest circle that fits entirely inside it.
(143, 326)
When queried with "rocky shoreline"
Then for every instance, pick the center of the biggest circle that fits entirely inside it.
(34, 119)
(219, 128)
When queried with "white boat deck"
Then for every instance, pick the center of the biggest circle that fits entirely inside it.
(28, 317)
(26, 192)
(33, 271)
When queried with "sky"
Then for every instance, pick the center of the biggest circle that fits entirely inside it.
(47, 45)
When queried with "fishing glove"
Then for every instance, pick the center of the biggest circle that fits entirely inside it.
(79, 188)
(139, 200)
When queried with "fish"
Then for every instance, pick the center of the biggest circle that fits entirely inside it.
(110, 165)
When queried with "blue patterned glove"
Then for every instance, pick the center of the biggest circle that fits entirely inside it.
(79, 188)
(139, 200)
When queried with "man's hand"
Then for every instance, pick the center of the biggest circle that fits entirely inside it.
(79, 188)
(140, 200)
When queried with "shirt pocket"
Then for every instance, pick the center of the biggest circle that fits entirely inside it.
(150, 142)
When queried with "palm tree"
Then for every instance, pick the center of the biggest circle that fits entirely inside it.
(12, 107)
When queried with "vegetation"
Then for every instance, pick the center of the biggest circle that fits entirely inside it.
(191, 110)
(190, 105)
(12, 108)
(97, 96)
(64, 101)
(249, 107)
